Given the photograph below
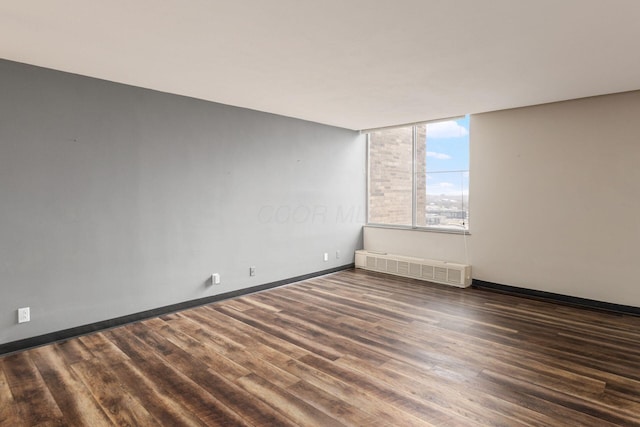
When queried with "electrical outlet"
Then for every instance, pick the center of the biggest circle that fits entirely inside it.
(24, 315)
(215, 279)
(252, 271)
(326, 256)
(337, 254)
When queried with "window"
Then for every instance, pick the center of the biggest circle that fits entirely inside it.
(419, 175)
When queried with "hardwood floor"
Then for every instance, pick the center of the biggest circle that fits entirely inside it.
(351, 348)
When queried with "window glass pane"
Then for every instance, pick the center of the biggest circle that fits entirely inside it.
(442, 174)
(446, 200)
(447, 145)
(390, 176)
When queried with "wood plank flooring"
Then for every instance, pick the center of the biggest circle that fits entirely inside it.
(353, 348)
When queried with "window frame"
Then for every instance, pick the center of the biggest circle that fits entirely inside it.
(414, 186)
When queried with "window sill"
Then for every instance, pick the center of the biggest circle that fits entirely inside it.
(422, 229)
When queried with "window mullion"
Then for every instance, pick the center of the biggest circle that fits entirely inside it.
(414, 184)
(368, 184)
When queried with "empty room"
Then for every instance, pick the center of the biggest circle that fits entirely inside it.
(336, 213)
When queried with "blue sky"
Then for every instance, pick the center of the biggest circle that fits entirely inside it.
(448, 150)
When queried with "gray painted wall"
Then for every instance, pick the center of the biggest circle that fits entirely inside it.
(116, 199)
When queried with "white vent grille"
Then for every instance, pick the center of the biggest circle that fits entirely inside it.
(415, 269)
(424, 269)
(441, 274)
(403, 268)
(371, 262)
(392, 266)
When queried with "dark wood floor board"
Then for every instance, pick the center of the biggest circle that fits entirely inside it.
(321, 319)
(352, 348)
(250, 300)
(462, 316)
(157, 400)
(74, 351)
(461, 349)
(245, 359)
(558, 377)
(174, 383)
(623, 389)
(482, 409)
(101, 347)
(427, 311)
(316, 314)
(291, 337)
(297, 294)
(122, 408)
(199, 325)
(565, 314)
(625, 402)
(353, 298)
(385, 346)
(387, 414)
(506, 405)
(546, 358)
(8, 408)
(140, 383)
(625, 349)
(249, 335)
(352, 280)
(353, 301)
(611, 333)
(237, 304)
(321, 300)
(379, 346)
(328, 403)
(603, 413)
(200, 348)
(74, 400)
(555, 412)
(615, 321)
(232, 396)
(473, 386)
(403, 398)
(288, 404)
(555, 379)
(458, 373)
(225, 391)
(442, 298)
(33, 400)
(432, 296)
(325, 334)
(598, 359)
(424, 334)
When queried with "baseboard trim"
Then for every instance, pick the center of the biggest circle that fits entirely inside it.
(66, 334)
(558, 298)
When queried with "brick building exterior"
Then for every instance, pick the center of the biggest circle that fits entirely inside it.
(390, 176)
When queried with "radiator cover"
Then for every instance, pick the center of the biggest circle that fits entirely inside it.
(416, 268)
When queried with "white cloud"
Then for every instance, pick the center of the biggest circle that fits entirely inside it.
(448, 129)
(439, 156)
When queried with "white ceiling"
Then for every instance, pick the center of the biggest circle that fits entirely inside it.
(352, 63)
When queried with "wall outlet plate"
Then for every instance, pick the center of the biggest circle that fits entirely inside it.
(215, 279)
(252, 271)
(24, 315)
(326, 256)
